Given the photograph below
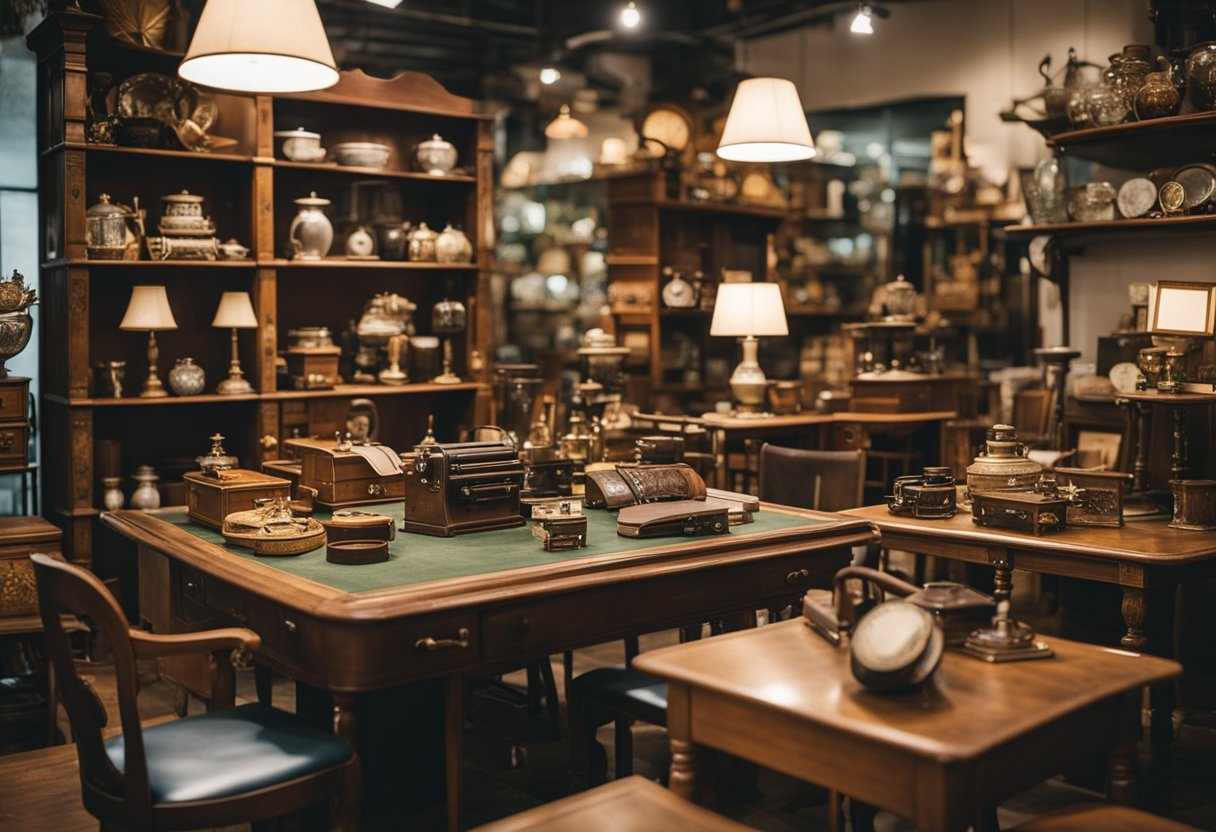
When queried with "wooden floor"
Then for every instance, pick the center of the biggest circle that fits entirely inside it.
(513, 763)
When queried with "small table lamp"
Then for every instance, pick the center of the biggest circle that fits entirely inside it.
(235, 312)
(747, 310)
(148, 310)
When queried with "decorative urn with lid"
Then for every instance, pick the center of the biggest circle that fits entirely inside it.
(1003, 464)
(311, 232)
(15, 321)
(436, 156)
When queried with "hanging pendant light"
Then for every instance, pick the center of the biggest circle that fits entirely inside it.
(566, 126)
(265, 46)
(863, 22)
(766, 124)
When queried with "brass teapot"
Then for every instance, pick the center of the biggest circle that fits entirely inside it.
(1003, 464)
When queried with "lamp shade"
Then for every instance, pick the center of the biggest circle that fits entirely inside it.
(235, 312)
(264, 46)
(766, 124)
(743, 309)
(566, 126)
(148, 309)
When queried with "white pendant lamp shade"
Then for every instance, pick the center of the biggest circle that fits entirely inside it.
(260, 46)
(766, 124)
(566, 126)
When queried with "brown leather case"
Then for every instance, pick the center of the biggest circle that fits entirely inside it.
(678, 518)
(633, 485)
(742, 506)
(343, 478)
(209, 500)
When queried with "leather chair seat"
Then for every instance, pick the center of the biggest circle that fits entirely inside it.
(231, 752)
(623, 690)
(1104, 817)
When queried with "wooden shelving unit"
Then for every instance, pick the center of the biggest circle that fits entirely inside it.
(1203, 222)
(1143, 145)
(249, 193)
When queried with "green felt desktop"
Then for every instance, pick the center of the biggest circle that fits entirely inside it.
(417, 558)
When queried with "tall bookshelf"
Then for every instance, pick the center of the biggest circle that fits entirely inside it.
(249, 193)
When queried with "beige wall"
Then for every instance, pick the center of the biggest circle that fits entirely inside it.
(987, 51)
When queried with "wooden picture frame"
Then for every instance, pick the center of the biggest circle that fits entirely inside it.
(1178, 308)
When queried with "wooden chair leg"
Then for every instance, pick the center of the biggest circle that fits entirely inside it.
(263, 683)
(567, 674)
(552, 706)
(861, 815)
(345, 808)
(624, 747)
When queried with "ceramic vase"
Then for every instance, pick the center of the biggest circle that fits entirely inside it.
(146, 496)
(187, 378)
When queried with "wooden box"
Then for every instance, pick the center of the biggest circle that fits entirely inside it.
(14, 399)
(1022, 512)
(313, 368)
(209, 500)
(19, 536)
(345, 478)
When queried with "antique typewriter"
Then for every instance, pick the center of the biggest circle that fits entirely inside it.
(459, 487)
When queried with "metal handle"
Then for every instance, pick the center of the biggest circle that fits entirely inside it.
(796, 575)
(7, 440)
(269, 442)
(431, 644)
(375, 489)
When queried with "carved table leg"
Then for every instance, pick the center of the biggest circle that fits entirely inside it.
(1121, 766)
(344, 718)
(683, 777)
(1140, 466)
(1002, 576)
(1178, 463)
(453, 715)
(1135, 610)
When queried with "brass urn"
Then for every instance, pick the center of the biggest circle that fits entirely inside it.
(1003, 464)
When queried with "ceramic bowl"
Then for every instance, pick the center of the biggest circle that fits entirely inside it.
(300, 145)
(362, 154)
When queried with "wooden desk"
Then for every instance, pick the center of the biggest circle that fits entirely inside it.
(844, 431)
(441, 608)
(973, 736)
(1147, 560)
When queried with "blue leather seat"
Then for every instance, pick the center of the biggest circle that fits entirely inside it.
(230, 752)
(610, 694)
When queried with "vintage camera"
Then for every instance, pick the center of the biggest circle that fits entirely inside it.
(930, 496)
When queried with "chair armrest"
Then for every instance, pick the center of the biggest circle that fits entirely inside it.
(239, 643)
(154, 645)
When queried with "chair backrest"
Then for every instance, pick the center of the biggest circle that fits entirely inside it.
(821, 480)
(64, 589)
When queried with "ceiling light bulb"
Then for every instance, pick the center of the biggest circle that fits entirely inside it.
(388, 4)
(549, 75)
(630, 16)
(862, 24)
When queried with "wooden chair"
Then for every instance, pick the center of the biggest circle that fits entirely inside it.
(225, 767)
(819, 480)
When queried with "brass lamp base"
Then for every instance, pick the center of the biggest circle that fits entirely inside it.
(153, 389)
(234, 386)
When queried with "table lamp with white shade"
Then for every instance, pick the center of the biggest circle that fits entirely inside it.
(148, 311)
(235, 312)
(749, 310)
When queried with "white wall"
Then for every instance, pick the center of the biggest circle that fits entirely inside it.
(987, 51)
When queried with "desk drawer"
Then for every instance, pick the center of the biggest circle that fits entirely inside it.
(392, 651)
(286, 633)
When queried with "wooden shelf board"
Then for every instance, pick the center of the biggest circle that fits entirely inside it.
(381, 173)
(277, 395)
(1143, 145)
(135, 401)
(156, 152)
(1195, 223)
(343, 263)
(679, 312)
(631, 260)
(374, 390)
(143, 264)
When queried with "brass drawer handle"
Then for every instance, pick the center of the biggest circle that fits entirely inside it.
(7, 440)
(431, 644)
(796, 575)
(375, 489)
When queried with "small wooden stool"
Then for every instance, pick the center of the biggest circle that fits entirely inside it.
(633, 804)
(1089, 817)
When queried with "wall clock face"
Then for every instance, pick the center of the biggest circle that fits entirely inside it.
(669, 126)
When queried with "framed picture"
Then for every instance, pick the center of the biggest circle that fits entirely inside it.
(1182, 308)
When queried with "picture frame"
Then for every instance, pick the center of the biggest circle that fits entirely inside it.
(1180, 308)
